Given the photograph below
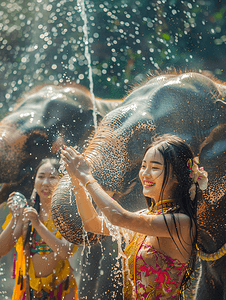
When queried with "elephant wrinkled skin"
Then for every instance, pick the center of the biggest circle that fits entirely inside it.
(191, 106)
(48, 117)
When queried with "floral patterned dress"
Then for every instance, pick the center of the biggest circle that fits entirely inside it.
(149, 274)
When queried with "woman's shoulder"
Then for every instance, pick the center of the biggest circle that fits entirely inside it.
(142, 211)
(186, 223)
(182, 216)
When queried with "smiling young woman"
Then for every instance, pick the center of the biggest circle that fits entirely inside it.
(161, 253)
(42, 268)
(152, 175)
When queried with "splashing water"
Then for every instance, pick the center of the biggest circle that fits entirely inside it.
(117, 236)
(3, 292)
(43, 41)
(81, 4)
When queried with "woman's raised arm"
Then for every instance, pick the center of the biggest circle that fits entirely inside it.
(152, 225)
(61, 247)
(91, 220)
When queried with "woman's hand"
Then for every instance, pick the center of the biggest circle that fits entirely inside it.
(14, 206)
(76, 164)
(31, 214)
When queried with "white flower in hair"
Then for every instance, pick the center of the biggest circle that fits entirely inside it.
(198, 175)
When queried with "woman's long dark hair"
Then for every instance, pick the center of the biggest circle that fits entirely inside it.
(36, 202)
(176, 154)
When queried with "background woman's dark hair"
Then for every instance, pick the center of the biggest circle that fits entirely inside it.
(176, 154)
(36, 204)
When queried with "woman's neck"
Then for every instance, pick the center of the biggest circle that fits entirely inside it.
(163, 206)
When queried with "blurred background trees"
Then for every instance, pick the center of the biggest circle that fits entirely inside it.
(42, 41)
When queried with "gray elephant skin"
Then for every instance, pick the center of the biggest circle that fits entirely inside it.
(189, 105)
(40, 123)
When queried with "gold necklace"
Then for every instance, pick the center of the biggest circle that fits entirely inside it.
(163, 206)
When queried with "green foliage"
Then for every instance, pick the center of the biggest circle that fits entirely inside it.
(44, 42)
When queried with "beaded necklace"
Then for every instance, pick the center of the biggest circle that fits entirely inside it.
(163, 206)
(39, 246)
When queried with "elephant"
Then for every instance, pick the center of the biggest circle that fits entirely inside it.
(41, 122)
(189, 105)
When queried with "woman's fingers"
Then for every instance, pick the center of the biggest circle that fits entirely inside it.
(29, 208)
(65, 159)
(71, 152)
(30, 212)
(10, 195)
(70, 157)
(12, 205)
(67, 156)
(10, 200)
(75, 163)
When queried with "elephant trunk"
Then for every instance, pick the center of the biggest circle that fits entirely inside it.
(66, 216)
(108, 157)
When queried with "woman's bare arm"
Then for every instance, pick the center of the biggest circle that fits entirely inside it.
(13, 230)
(61, 247)
(147, 224)
(10, 235)
(91, 220)
(151, 225)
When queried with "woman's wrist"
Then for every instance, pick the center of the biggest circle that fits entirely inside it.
(36, 223)
(83, 181)
(16, 217)
(89, 182)
(86, 179)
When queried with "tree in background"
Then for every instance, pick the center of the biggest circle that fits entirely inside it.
(43, 41)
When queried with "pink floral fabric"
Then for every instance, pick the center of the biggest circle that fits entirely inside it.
(158, 277)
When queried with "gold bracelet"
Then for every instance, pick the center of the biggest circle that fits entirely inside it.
(90, 181)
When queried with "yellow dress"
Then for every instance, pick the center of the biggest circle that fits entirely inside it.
(56, 285)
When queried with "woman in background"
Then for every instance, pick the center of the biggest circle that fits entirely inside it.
(42, 268)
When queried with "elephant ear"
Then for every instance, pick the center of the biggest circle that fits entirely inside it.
(66, 216)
